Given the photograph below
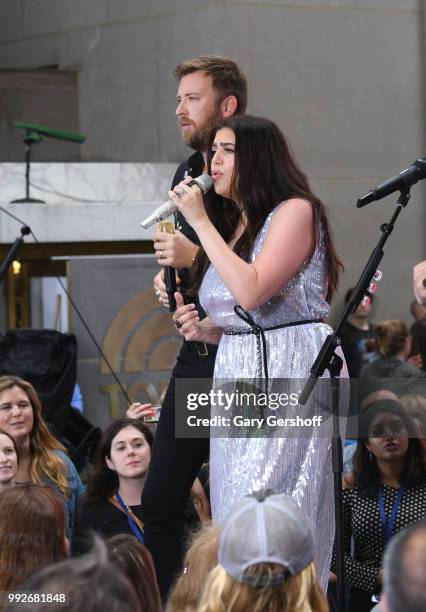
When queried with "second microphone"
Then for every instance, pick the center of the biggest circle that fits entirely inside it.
(169, 271)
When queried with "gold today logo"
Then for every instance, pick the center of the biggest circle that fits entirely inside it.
(140, 339)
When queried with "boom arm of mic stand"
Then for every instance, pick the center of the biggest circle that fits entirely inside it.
(326, 355)
(25, 230)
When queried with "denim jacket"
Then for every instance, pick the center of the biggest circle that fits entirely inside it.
(76, 488)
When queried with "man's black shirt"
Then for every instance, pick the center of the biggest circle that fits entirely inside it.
(191, 167)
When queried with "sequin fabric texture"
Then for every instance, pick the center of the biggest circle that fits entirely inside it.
(298, 466)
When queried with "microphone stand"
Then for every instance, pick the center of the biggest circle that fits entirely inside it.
(11, 255)
(327, 359)
(30, 139)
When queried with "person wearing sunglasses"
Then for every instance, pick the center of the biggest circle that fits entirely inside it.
(385, 493)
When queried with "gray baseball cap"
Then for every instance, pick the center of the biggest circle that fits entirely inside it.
(265, 527)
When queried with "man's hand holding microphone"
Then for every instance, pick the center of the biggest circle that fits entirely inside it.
(173, 250)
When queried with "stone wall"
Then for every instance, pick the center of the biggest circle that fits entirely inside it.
(343, 78)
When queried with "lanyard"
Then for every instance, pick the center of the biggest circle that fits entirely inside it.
(388, 526)
(134, 523)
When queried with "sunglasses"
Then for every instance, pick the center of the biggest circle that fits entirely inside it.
(391, 428)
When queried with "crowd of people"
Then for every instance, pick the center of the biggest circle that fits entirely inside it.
(242, 522)
(261, 556)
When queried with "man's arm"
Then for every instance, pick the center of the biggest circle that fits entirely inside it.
(174, 250)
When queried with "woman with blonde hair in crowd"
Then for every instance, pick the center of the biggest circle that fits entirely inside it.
(266, 560)
(8, 461)
(42, 458)
(200, 559)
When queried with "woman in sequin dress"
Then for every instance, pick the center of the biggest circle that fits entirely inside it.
(265, 246)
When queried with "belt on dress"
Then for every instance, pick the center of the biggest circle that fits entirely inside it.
(259, 332)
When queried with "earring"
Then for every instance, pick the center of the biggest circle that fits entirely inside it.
(371, 457)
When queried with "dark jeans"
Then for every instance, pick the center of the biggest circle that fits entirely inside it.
(173, 468)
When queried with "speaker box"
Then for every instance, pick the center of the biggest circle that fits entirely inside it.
(48, 360)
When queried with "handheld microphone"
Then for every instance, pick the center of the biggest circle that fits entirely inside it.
(400, 182)
(204, 182)
(169, 271)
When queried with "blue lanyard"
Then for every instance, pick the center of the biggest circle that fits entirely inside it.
(132, 524)
(388, 526)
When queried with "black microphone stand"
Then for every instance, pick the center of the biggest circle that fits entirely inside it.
(170, 280)
(11, 255)
(327, 359)
(30, 139)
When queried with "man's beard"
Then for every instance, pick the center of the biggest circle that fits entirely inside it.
(199, 138)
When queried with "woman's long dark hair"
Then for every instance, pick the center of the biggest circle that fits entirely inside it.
(265, 174)
(365, 468)
(104, 482)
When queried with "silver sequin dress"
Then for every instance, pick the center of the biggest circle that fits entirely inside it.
(298, 466)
